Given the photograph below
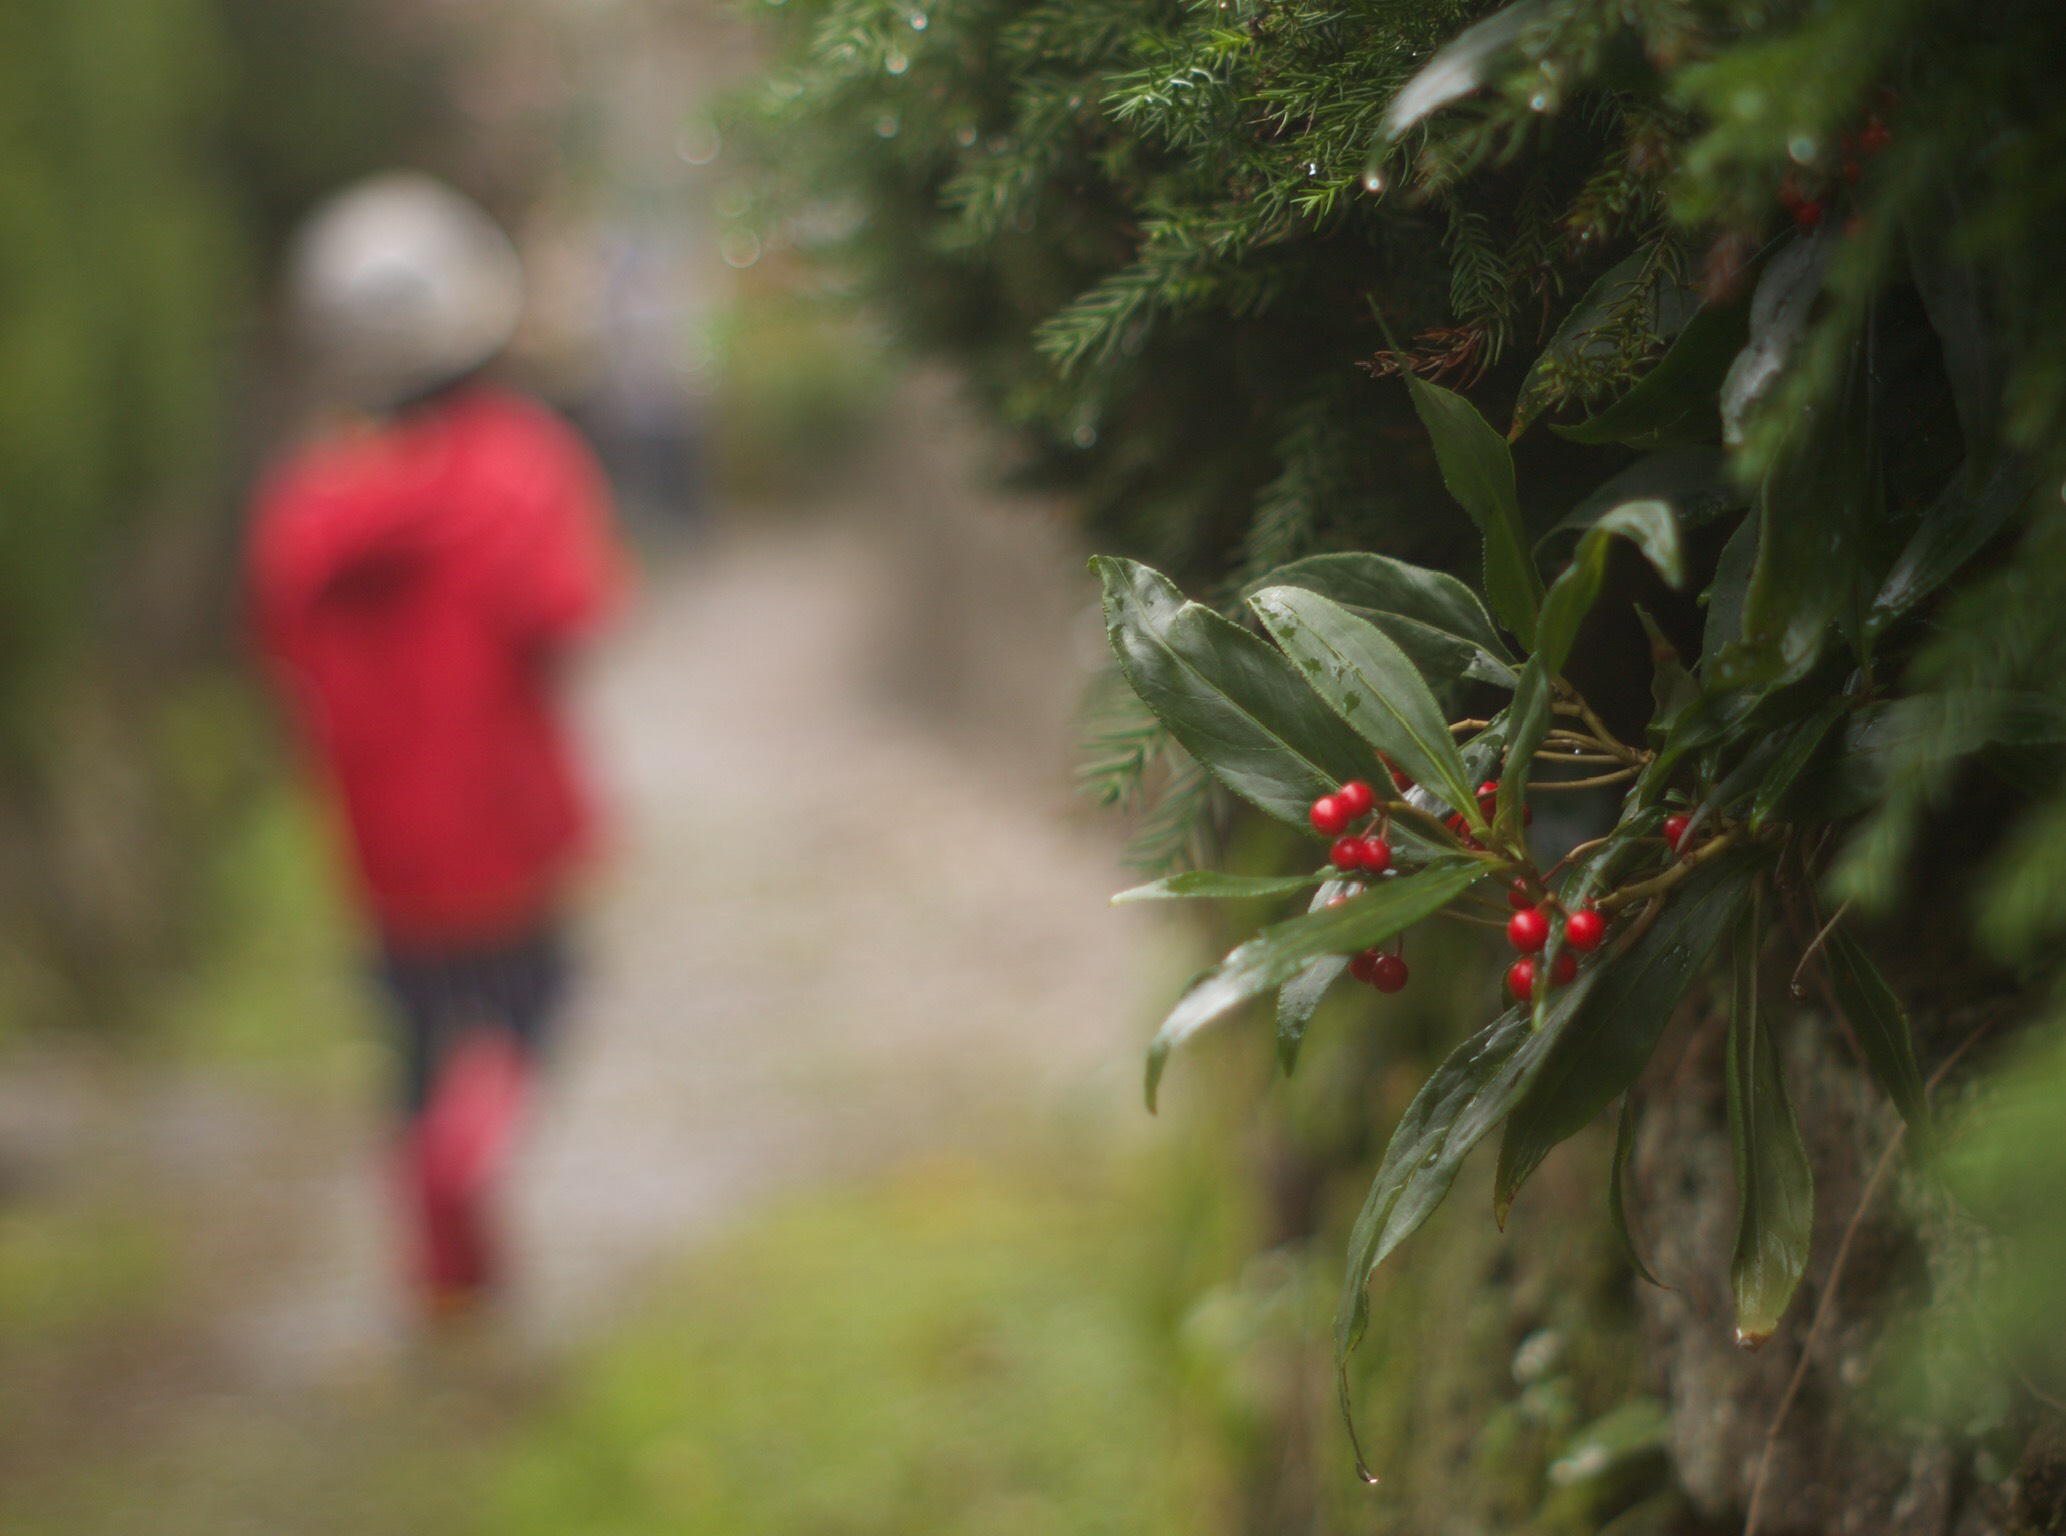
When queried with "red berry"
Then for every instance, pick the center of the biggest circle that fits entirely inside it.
(1488, 798)
(1364, 966)
(1375, 855)
(1388, 974)
(1874, 137)
(1584, 930)
(1527, 815)
(1347, 853)
(1675, 831)
(1357, 797)
(1519, 896)
(1400, 781)
(1528, 931)
(1520, 980)
(1807, 216)
(1329, 815)
(1563, 968)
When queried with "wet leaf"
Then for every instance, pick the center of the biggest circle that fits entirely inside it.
(1880, 1024)
(1606, 1046)
(1617, 1175)
(1650, 527)
(1695, 482)
(1465, 1098)
(1478, 468)
(1725, 594)
(1795, 753)
(1594, 331)
(1299, 998)
(1210, 883)
(1368, 681)
(1775, 1190)
(1779, 309)
(1282, 951)
(1430, 615)
(1672, 687)
(1233, 701)
(1963, 520)
(1460, 66)
(1675, 402)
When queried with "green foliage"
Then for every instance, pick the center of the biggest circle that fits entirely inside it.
(1812, 248)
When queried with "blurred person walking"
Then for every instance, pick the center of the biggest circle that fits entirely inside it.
(418, 572)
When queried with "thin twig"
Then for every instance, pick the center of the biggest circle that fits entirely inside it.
(1669, 878)
(1815, 945)
(1836, 1273)
(1592, 783)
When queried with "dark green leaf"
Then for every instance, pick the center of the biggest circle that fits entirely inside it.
(1459, 66)
(1430, 615)
(1957, 303)
(1299, 998)
(1617, 1174)
(1726, 593)
(1695, 482)
(1611, 1442)
(1607, 1045)
(1675, 401)
(1478, 468)
(1881, 1026)
(1775, 1190)
(1779, 308)
(1454, 1110)
(1646, 524)
(1964, 520)
(1796, 751)
(1211, 883)
(1281, 951)
(1233, 701)
(1672, 687)
(1368, 681)
(1594, 331)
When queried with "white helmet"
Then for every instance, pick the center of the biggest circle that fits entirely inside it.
(399, 284)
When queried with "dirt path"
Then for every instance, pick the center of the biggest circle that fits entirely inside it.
(831, 937)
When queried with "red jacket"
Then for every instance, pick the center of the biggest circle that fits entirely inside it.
(413, 587)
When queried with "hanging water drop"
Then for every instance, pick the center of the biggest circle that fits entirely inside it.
(918, 21)
(1374, 171)
(886, 126)
(896, 63)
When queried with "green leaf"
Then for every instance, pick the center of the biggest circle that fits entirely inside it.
(1232, 700)
(1618, 1437)
(1726, 593)
(1606, 1046)
(1964, 520)
(1617, 1174)
(1881, 1027)
(1430, 615)
(1368, 681)
(1459, 66)
(1801, 744)
(1775, 1190)
(1594, 329)
(1455, 1108)
(1282, 950)
(1650, 527)
(1810, 509)
(1299, 998)
(1675, 401)
(1672, 687)
(1478, 468)
(1696, 482)
(1210, 883)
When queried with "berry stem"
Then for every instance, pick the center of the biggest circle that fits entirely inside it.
(1592, 783)
(1615, 900)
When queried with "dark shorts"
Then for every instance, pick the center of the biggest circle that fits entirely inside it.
(440, 997)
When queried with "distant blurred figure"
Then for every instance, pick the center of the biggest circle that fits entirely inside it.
(417, 573)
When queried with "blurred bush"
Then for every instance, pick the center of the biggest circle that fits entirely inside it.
(152, 154)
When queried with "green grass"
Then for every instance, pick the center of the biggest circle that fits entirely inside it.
(956, 1351)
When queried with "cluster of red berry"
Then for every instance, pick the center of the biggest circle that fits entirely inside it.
(1809, 207)
(1528, 930)
(1352, 853)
